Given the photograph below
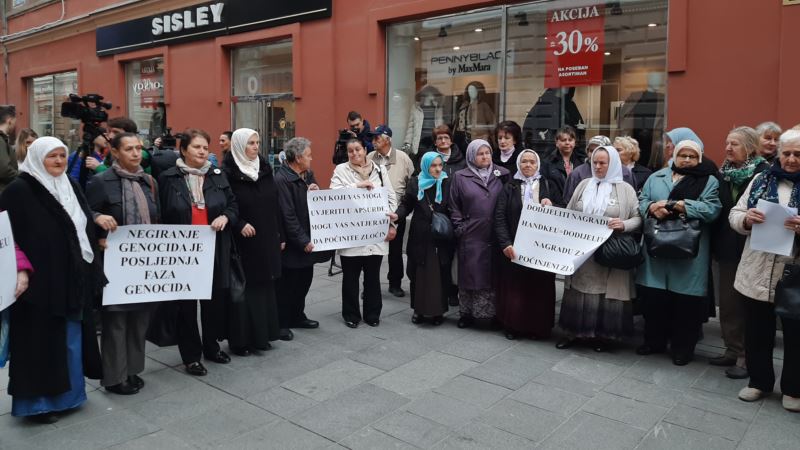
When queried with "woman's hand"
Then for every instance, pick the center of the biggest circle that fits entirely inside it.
(366, 184)
(546, 202)
(219, 224)
(22, 283)
(92, 163)
(391, 234)
(616, 224)
(392, 216)
(313, 187)
(283, 246)
(754, 216)
(309, 247)
(106, 222)
(247, 230)
(658, 209)
(509, 252)
(680, 207)
(102, 244)
(793, 223)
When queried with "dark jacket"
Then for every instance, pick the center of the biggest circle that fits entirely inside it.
(511, 164)
(258, 206)
(640, 174)
(419, 235)
(176, 208)
(557, 175)
(509, 209)
(727, 244)
(8, 162)
(292, 197)
(38, 333)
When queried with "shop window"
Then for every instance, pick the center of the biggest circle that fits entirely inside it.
(145, 95)
(46, 95)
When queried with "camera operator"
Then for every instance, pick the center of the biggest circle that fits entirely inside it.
(8, 160)
(94, 162)
(119, 125)
(164, 153)
(357, 128)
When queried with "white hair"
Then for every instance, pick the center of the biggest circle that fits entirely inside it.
(789, 137)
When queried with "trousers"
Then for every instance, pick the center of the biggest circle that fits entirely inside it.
(352, 266)
(760, 342)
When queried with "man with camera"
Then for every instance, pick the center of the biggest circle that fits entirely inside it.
(358, 128)
(8, 160)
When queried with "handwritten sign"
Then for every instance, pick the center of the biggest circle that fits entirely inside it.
(346, 218)
(154, 263)
(8, 263)
(557, 240)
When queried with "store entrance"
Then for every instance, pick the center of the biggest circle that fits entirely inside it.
(272, 116)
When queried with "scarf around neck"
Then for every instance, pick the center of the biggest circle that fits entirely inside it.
(135, 207)
(765, 186)
(695, 178)
(194, 181)
(739, 176)
(425, 180)
(597, 194)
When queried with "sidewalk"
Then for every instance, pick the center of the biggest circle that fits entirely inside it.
(403, 386)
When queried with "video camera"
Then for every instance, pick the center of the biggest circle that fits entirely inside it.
(90, 110)
(340, 149)
(168, 140)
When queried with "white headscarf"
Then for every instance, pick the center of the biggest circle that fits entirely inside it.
(60, 187)
(530, 183)
(597, 194)
(238, 143)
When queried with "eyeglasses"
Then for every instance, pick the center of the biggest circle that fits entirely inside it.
(443, 138)
(687, 157)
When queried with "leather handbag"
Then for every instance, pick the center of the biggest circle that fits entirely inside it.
(163, 327)
(672, 238)
(787, 293)
(621, 251)
(441, 226)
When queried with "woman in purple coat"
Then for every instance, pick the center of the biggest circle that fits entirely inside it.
(473, 194)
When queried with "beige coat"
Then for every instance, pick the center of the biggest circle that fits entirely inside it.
(592, 278)
(758, 272)
(399, 166)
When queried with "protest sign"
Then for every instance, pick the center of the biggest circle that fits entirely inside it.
(8, 263)
(346, 218)
(154, 263)
(557, 240)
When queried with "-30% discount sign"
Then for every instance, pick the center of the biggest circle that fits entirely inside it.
(575, 46)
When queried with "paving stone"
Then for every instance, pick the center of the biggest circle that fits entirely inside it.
(282, 402)
(725, 405)
(168, 356)
(102, 432)
(160, 440)
(16, 431)
(182, 404)
(510, 370)
(707, 422)
(544, 349)
(371, 439)
(158, 383)
(220, 424)
(554, 400)
(567, 383)
(479, 436)
(327, 381)
(473, 391)
(591, 432)
(387, 354)
(666, 436)
(411, 428)
(444, 410)
(349, 411)
(588, 370)
(278, 435)
(478, 347)
(638, 414)
(772, 431)
(659, 370)
(423, 374)
(521, 419)
(242, 382)
(643, 392)
(713, 379)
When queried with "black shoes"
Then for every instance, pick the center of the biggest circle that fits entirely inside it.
(565, 343)
(306, 323)
(646, 349)
(351, 324)
(681, 360)
(438, 320)
(220, 357)
(373, 322)
(416, 318)
(510, 335)
(286, 334)
(136, 381)
(196, 368)
(397, 291)
(737, 373)
(123, 388)
(44, 419)
(244, 351)
(464, 321)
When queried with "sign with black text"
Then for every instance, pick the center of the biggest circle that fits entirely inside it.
(346, 218)
(8, 263)
(154, 263)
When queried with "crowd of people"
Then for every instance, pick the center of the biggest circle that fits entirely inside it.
(464, 207)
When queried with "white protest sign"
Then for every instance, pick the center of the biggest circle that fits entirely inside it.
(557, 240)
(155, 263)
(8, 263)
(346, 218)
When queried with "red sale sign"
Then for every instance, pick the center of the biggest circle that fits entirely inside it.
(575, 46)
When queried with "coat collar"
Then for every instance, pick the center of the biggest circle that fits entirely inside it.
(383, 160)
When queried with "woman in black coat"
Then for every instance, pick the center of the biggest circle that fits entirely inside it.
(52, 337)
(526, 298)
(508, 145)
(194, 193)
(428, 259)
(254, 322)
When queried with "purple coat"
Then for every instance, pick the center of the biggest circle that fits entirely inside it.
(472, 211)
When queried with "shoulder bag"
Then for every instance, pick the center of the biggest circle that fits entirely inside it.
(441, 226)
(677, 238)
(620, 251)
(787, 293)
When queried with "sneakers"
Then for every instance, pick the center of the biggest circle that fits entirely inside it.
(791, 403)
(749, 394)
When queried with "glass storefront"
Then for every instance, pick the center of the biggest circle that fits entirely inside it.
(599, 67)
(46, 95)
(261, 95)
(144, 82)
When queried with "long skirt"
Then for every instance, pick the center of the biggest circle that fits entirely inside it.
(254, 322)
(430, 284)
(526, 300)
(595, 316)
(76, 396)
(477, 303)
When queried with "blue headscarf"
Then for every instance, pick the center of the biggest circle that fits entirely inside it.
(684, 134)
(425, 178)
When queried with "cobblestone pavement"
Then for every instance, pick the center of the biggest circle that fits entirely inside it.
(401, 386)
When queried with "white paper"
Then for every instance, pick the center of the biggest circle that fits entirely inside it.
(155, 263)
(557, 240)
(8, 263)
(771, 236)
(347, 218)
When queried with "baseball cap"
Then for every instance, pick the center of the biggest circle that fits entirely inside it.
(381, 129)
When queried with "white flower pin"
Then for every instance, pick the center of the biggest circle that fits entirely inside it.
(496, 173)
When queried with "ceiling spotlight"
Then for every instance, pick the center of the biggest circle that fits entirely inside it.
(652, 25)
(478, 30)
(416, 38)
(523, 19)
(456, 48)
(607, 53)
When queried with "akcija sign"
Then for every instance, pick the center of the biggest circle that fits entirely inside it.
(205, 21)
(575, 46)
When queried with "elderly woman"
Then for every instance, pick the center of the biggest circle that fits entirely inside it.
(628, 149)
(508, 136)
(52, 337)
(473, 196)
(674, 291)
(597, 299)
(562, 163)
(25, 138)
(294, 179)
(759, 272)
(257, 233)
(192, 193)
(526, 297)
(769, 134)
(672, 137)
(124, 195)
(452, 156)
(360, 172)
(741, 164)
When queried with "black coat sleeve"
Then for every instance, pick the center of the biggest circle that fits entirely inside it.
(296, 235)
(231, 210)
(409, 200)
(97, 197)
(501, 226)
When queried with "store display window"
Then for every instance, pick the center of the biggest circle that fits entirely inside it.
(46, 95)
(144, 81)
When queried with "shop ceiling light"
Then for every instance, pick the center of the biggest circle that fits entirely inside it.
(416, 38)
(607, 53)
(651, 25)
(478, 30)
(456, 48)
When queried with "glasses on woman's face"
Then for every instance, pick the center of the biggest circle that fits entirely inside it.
(689, 157)
(443, 138)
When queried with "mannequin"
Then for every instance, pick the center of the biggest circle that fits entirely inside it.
(475, 117)
(642, 113)
(425, 115)
(553, 109)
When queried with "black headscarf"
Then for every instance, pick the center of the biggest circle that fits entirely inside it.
(694, 180)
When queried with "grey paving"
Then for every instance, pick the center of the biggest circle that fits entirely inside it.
(406, 386)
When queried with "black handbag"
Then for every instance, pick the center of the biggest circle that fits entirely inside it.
(441, 226)
(787, 293)
(621, 251)
(672, 238)
(238, 280)
(163, 327)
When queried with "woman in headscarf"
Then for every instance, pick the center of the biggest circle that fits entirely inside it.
(52, 337)
(674, 291)
(597, 299)
(671, 139)
(360, 172)
(194, 193)
(257, 232)
(123, 195)
(428, 259)
(526, 298)
(473, 196)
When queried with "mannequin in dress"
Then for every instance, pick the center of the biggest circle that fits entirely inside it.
(475, 119)
(425, 115)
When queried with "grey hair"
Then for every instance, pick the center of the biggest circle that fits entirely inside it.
(295, 148)
(749, 138)
(768, 127)
(789, 137)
